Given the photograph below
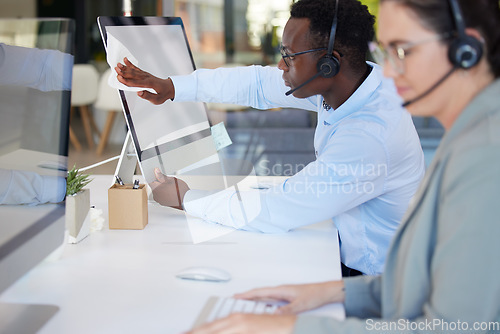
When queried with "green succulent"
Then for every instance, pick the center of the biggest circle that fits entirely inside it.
(76, 181)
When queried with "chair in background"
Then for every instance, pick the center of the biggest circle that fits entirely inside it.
(107, 99)
(83, 95)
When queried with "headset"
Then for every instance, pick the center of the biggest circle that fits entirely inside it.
(328, 66)
(465, 51)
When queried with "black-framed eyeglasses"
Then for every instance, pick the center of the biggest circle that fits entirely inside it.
(290, 56)
(395, 55)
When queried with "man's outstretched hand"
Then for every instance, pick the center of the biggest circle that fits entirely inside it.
(168, 191)
(132, 76)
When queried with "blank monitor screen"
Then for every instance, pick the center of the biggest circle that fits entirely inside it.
(171, 136)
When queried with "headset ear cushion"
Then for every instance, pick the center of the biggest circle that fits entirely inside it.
(328, 66)
(465, 52)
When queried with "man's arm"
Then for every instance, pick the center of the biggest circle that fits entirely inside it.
(253, 86)
(329, 186)
(45, 70)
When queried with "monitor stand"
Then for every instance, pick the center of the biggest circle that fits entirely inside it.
(25, 318)
(127, 162)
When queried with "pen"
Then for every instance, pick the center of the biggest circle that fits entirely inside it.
(119, 180)
(136, 184)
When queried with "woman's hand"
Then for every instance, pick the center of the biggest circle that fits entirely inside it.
(133, 76)
(299, 297)
(242, 323)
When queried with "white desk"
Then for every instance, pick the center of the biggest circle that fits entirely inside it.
(123, 281)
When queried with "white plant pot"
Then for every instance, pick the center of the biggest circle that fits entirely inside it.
(77, 216)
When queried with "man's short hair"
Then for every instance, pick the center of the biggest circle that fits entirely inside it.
(354, 28)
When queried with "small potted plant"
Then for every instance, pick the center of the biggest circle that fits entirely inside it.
(77, 205)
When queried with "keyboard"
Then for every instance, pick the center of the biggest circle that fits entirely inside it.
(220, 307)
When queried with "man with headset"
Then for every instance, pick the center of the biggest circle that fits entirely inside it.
(369, 159)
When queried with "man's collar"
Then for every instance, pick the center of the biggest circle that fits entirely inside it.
(359, 98)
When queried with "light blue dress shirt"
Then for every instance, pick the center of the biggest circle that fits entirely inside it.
(45, 70)
(369, 163)
(24, 187)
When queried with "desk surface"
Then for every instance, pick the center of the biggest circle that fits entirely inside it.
(123, 281)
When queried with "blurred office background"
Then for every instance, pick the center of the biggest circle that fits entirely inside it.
(220, 33)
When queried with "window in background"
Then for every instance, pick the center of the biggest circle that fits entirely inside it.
(233, 31)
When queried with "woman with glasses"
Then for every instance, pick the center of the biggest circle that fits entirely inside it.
(442, 271)
(369, 161)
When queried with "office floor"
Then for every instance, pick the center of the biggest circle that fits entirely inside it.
(87, 156)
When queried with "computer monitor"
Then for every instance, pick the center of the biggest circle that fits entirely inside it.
(175, 137)
(36, 65)
(171, 136)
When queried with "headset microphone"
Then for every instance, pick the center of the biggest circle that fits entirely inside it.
(428, 91)
(303, 84)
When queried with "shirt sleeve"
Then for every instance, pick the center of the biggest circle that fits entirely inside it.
(22, 187)
(253, 86)
(333, 184)
(45, 70)
(363, 296)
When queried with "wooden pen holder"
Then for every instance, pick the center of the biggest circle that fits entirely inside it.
(127, 207)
